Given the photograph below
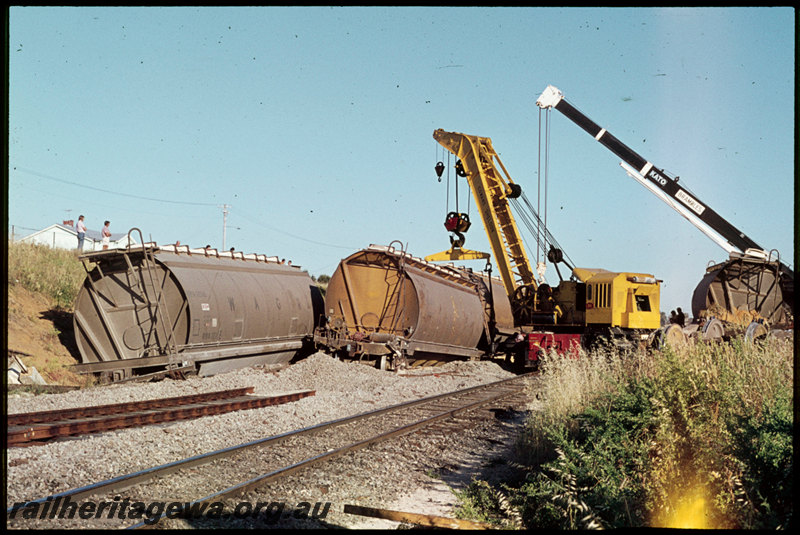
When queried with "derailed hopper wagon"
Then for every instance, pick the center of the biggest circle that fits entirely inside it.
(147, 309)
(386, 306)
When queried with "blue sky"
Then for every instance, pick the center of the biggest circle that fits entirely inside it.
(314, 125)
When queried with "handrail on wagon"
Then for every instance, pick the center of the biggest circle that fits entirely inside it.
(162, 311)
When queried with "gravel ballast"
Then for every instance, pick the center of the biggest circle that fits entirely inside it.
(342, 389)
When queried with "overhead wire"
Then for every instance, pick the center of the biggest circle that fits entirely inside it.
(252, 219)
(63, 181)
(188, 203)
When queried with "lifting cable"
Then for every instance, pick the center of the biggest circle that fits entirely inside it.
(469, 198)
(447, 198)
(527, 214)
(538, 183)
(546, 163)
(457, 211)
(536, 225)
(546, 171)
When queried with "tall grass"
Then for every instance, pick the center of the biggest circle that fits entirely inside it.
(55, 273)
(723, 430)
(568, 386)
(700, 436)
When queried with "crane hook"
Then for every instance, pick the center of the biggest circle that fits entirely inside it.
(439, 170)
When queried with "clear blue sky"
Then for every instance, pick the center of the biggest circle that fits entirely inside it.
(314, 125)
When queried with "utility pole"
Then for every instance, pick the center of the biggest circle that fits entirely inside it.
(224, 223)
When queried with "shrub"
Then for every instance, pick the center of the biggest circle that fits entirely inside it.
(697, 437)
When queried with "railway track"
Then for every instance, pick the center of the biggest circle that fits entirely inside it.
(30, 428)
(216, 479)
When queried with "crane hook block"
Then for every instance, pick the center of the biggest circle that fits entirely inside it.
(439, 170)
(451, 222)
(457, 222)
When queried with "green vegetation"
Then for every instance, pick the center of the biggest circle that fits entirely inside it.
(55, 273)
(322, 283)
(696, 437)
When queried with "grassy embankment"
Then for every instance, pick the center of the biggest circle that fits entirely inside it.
(41, 289)
(696, 437)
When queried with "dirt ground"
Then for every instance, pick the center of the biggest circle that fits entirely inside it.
(41, 335)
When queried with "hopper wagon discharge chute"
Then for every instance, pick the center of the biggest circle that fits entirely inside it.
(391, 309)
(144, 310)
(594, 304)
(752, 291)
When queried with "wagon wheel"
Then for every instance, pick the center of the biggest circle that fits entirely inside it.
(755, 331)
(672, 336)
(713, 330)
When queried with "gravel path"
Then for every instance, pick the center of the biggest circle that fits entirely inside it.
(376, 477)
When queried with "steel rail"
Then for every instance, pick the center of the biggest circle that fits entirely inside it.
(25, 418)
(258, 481)
(136, 478)
(20, 435)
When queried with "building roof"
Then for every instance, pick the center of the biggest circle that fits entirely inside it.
(95, 235)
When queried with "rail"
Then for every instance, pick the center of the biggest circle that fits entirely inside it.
(32, 427)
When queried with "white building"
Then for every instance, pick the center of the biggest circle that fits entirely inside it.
(65, 237)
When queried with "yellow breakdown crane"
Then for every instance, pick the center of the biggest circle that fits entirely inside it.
(623, 308)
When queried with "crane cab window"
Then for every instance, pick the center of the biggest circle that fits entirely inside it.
(642, 303)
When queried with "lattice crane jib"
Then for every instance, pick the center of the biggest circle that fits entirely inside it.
(491, 187)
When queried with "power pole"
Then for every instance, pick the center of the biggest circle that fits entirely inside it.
(224, 223)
